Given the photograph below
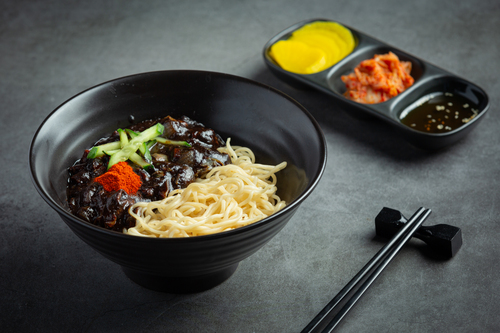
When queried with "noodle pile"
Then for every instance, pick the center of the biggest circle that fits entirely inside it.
(229, 197)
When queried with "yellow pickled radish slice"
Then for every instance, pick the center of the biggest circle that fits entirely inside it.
(330, 47)
(342, 48)
(314, 47)
(342, 32)
(298, 57)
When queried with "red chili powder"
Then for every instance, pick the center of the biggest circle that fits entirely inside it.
(120, 176)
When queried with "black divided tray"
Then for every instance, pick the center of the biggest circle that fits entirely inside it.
(428, 79)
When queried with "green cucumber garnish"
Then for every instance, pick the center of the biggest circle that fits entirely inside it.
(98, 151)
(137, 159)
(133, 145)
(172, 142)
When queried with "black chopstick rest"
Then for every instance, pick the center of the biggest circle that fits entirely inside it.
(444, 240)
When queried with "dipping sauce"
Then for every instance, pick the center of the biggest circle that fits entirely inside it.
(313, 48)
(439, 112)
(378, 79)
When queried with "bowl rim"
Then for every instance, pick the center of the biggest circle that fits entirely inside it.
(291, 206)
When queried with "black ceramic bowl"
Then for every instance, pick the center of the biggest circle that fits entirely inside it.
(275, 126)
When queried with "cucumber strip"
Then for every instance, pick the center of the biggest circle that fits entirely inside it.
(98, 151)
(145, 151)
(123, 137)
(143, 148)
(132, 134)
(172, 142)
(148, 145)
(137, 159)
(134, 144)
(110, 152)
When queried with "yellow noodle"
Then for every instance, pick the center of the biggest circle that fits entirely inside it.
(228, 197)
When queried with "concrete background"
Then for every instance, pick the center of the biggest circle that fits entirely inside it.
(50, 281)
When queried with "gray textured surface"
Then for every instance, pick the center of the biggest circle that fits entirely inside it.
(51, 281)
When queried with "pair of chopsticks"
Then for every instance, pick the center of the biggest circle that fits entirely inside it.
(356, 287)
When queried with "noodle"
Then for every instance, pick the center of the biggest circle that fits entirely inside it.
(229, 197)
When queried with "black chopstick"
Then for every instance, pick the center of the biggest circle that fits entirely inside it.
(376, 265)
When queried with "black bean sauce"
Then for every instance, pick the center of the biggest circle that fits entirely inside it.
(175, 167)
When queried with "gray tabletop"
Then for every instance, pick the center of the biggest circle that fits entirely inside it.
(51, 281)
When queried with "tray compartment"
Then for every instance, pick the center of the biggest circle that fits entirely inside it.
(367, 52)
(445, 84)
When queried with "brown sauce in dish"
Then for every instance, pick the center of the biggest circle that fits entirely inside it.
(440, 113)
(175, 167)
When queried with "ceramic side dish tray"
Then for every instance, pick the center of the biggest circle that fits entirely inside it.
(429, 81)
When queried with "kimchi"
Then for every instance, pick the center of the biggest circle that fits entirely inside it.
(378, 79)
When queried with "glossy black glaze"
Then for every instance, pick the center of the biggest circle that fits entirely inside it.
(275, 126)
(428, 79)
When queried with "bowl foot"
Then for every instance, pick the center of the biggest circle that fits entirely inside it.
(180, 284)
